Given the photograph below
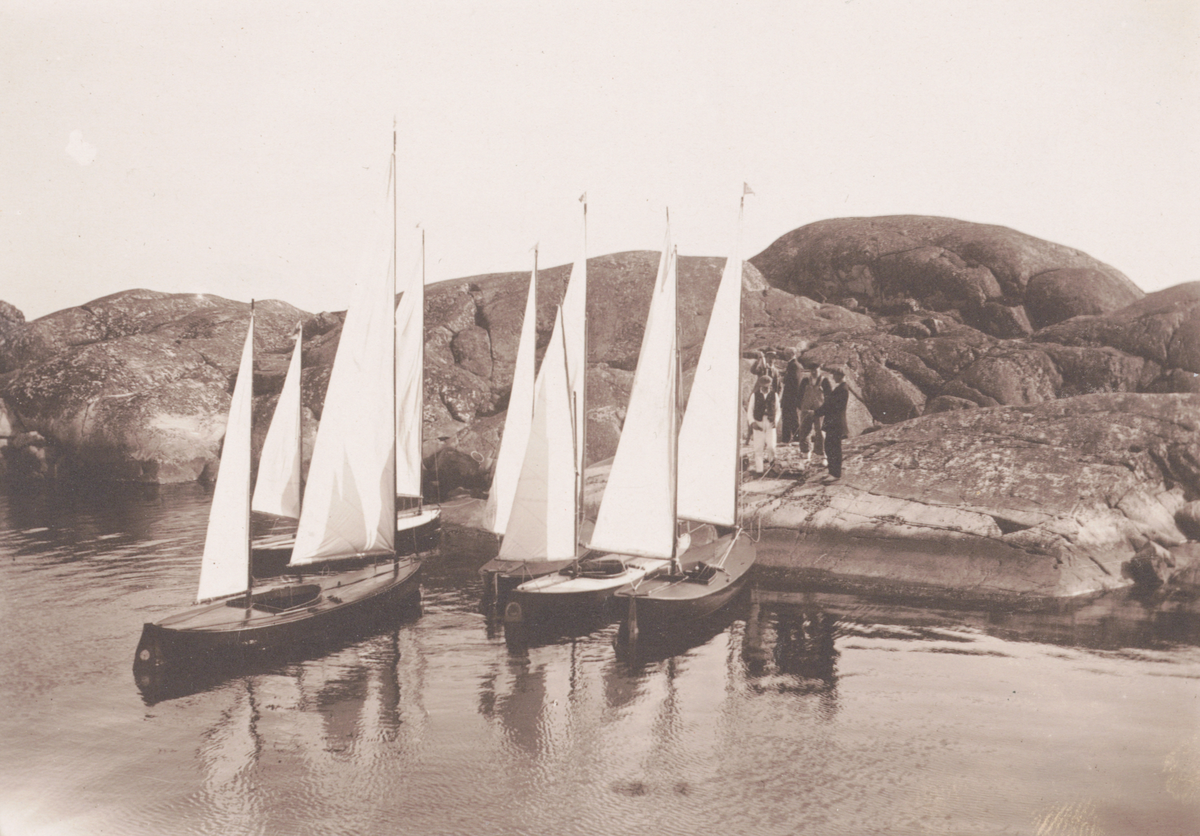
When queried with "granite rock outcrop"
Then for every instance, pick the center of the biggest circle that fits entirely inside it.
(1047, 500)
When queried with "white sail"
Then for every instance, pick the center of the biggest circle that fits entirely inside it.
(277, 489)
(541, 525)
(518, 419)
(708, 439)
(349, 503)
(410, 369)
(637, 511)
(574, 315)
(225, 568)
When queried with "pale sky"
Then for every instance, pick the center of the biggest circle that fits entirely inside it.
(240, 148)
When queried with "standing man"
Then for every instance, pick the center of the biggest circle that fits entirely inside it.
(811, 398)
(762, 411)
(762, 366)
(833, 413)
(789, 399)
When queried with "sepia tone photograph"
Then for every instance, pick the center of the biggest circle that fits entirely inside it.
(499, 418)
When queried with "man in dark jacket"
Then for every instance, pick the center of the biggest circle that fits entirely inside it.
(789, 399)
(833, 414)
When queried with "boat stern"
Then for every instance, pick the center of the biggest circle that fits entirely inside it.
(151, 653)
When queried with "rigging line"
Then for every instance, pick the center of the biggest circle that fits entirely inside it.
(720, 564)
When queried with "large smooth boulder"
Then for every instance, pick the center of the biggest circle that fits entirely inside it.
(1062, 293)
(146, 399)
(1014, 377)
(891, 395)
(982, 271)
(1163, 327)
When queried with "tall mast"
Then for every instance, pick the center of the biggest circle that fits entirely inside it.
(580, 477)
(533, 292)
(421, 388)
(674, 277)
(393, 176)
(300, 418)
(575, 521)
(250, 487)
(737, 450)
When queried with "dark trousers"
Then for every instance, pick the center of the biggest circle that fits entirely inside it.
(810, 424)
(789, 426)
(833, 452)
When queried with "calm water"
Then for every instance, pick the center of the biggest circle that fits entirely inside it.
(800, 713)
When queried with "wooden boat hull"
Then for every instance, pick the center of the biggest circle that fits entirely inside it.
(284, 613)
(566, 593)
(661, 602)
(503, 576)
(415, 533)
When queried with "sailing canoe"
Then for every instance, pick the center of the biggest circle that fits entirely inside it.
(710, 576)
(706, 576)
(347, 524)
(635, 529)
(279, 616)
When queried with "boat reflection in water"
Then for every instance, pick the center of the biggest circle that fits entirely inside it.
(552, 628)
(639, 649)
(771, 701)
(789, 647)
(334, 724)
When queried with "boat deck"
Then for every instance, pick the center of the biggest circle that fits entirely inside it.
(731, 558)
(633, 568)
(291, 600)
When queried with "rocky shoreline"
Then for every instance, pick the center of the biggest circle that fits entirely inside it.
(1055, 500)
(1027, 426)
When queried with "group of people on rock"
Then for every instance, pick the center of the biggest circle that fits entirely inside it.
(806, 405)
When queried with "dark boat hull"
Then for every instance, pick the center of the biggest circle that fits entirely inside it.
(282, 614)
(665, 601)
(538, 609)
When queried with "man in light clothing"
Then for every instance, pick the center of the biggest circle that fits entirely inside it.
(762, 411)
